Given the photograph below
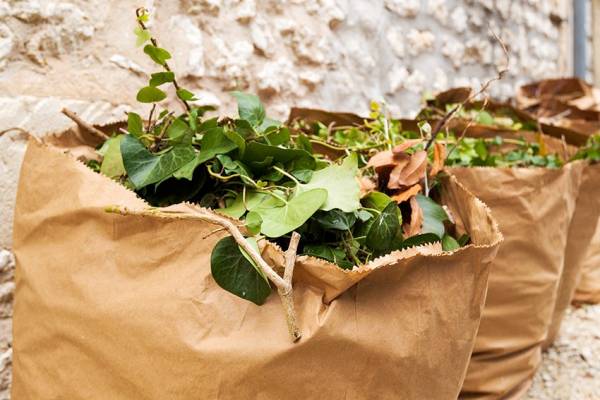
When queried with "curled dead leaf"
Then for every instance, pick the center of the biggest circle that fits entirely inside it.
(407, 194)
(402, 147)
(366, 185)
(382, 159)
(409, 174)
(416, 219)
(439, 156)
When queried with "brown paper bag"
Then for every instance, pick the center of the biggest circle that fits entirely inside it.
(534, 207)
(581, 232)
(112, 307)
(588, 287)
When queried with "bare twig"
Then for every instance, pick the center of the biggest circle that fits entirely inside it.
(284, 285)
(140, 12)
(287, 297)
(440, 124)
(149, 127)
(88, 127)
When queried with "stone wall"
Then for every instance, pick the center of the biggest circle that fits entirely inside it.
(334, 54)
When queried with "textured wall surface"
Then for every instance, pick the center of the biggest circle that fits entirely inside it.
(334, 54)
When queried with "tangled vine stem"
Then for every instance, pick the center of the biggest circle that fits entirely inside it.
(284, 284)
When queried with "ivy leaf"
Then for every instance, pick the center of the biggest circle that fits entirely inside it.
(150, 94)
(112, 162)
(159, 78)
(385, 229)
(250, 108)
(376, 200)
(449, 243)
(340, 182)
(178, 130)
(336, 219)
(463, 240)
(186, 95)
(213, 142)
(144, 168)
(269, 123)
(157, 54)
(253, 222)
(234, 209)
(135, 126)
(234, 273)
(237, 139)
(278, 136)
(433, 216)
(277, 221)
(141, 35)
(331, 254)
(254, 244)
(419, 240)
(260, 156)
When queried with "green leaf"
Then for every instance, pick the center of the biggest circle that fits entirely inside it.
(232, 166)
(269, 123)
(260, 156)
(234, 273)
(112, 162)
(141, 35)
(250, 108)
(254, 244)
(484, 118)
(186, 95)
(277, 221)
(178, 130)
(336, 219)
(135, 125)
(449, 243)
(340, 182)
(331, 254)
(235, 209)
(433, 216)
(278, 136)
(237, 139)
(159, 78)
(463, 240)
(385, 229)
(419, 240)
(213, 142)
(304, 143)
(253, 222)
(376, 200)
(303, 175)
(144, 168)
(150, 94)
(157, 54)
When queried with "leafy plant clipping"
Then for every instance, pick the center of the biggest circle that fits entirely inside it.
(258, 180)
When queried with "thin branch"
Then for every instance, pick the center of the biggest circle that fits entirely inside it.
(148, 128)
(90, 128)
(142, 11)
(440, 124)
(284, 285)
(287, 297)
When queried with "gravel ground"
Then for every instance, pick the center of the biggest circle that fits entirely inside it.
(571, 367)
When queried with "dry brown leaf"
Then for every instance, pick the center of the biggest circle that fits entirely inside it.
(416, 219)
(439, 156)
(402, 147)
(407, 194)
(382, 159)
(410, 173)
(366, 185)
